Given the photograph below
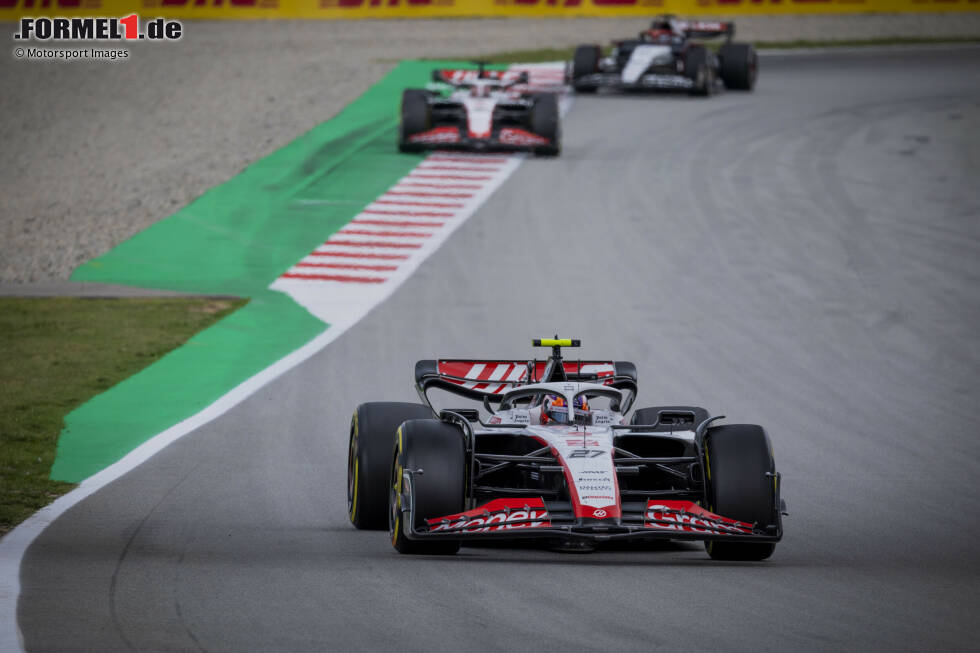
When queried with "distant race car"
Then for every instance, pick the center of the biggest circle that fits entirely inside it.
(664, 57)
(483, 111)
(557, 461)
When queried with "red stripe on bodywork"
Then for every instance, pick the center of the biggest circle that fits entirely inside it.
(484, 376)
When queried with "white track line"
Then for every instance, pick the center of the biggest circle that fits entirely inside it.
(345, 303)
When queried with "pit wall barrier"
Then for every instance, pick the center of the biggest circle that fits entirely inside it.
(347, 9)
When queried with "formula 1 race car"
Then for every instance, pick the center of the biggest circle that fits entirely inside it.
(483, 111)
(664, 57)
(557, 461)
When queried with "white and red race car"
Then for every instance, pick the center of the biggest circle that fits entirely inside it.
(483, 110)
(557, 461)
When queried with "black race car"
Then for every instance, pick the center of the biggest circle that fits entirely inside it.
(664, 57)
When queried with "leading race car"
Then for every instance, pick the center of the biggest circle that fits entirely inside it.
(558, 461)
(665, 57)
(485, 110)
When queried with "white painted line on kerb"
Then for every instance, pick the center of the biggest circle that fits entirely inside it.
(341, 304)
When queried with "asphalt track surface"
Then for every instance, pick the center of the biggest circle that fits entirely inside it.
(804, 257)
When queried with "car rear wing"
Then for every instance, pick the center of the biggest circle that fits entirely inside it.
(489, 380)
(459, 76)
(706, 29)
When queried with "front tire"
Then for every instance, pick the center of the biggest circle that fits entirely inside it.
(741, 485)
(372, 433)
(416, 118)
(585, 62)
(697, 67)
(546, 122)
(435, 448)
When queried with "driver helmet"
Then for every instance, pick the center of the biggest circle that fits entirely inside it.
(555, 409)
(480, 90)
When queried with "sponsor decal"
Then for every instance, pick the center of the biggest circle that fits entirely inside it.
(601, 419)
(599, 513)
(437, 135)
(498, 515)
(688, 517)
(514, 136)
(581, 442)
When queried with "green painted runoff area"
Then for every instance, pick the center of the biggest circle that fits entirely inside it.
(236, 239)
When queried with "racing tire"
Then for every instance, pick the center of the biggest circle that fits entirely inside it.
(585, 62)
(372, 433)
(697, 67)
(416, 118)
(545, 121)
(651, 414)
(739, 66)
(741, 485)
(437, 449)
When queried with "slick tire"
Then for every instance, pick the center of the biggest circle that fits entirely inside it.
(697, 67)
(372, 434)
(434, 455)
(546, 122)
(739, 464)
(585, 62)
(651, 415)
(739, 66)
(416, 118)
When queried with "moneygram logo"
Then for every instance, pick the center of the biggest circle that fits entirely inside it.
(98, 29)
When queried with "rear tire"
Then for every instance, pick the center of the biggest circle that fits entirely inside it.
(585, 62)
(697, 67)
(437, 449)
(739, 465)
(739, 66)
(416, 118)
(545, 121)
(372, 433)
